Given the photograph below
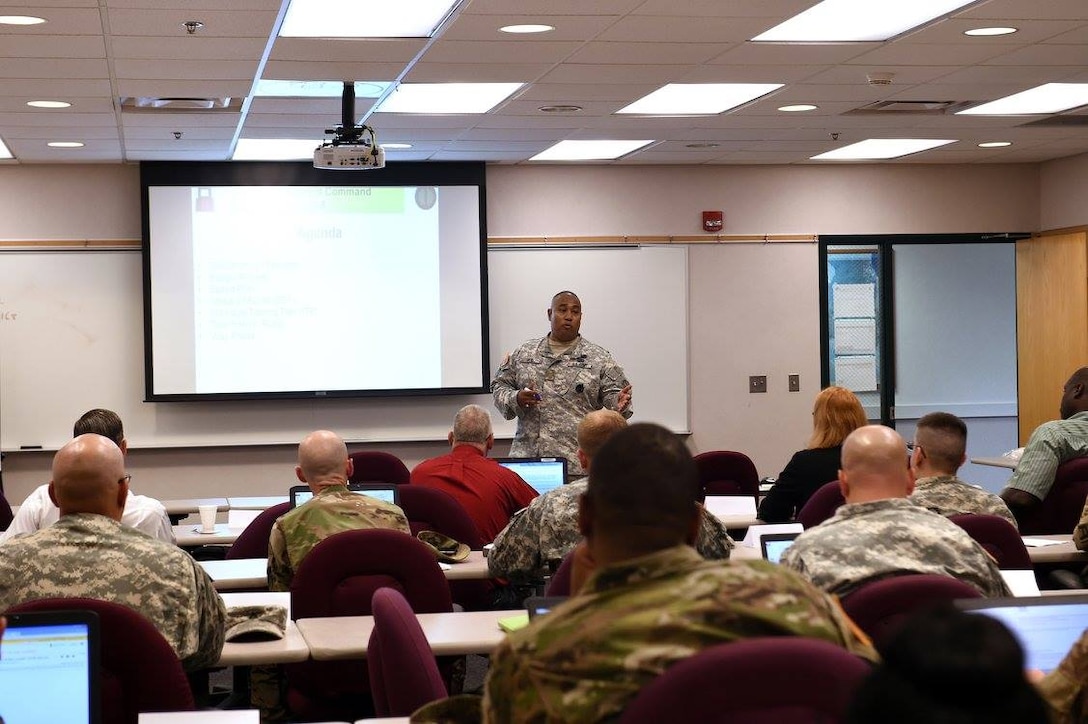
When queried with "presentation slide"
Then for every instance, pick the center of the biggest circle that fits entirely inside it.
(280, 289)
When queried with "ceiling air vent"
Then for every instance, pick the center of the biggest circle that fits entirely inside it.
(913, 108)
(147, 104)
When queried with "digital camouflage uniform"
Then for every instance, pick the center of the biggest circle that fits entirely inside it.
(948, 495)
(1065, 689)
(333, 509)
(582, 379)
(587, 659)
(91, 556)
(546, 531)
(1080, 533)
(865, 542)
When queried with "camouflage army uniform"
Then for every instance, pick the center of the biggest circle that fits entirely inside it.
(333, 510)
(864, 542)
(948, 495)
(1080, 533)
(91, 556)
(1065, 689)
(547, 530)
(582, 379)
(587, 659)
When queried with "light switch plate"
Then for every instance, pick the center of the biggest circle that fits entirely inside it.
(757, 383)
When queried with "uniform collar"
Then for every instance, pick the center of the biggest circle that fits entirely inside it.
(644, 568)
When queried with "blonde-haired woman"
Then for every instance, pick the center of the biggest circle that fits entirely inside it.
(836, 413)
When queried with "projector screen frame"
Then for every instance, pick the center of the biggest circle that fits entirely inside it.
(262, 173)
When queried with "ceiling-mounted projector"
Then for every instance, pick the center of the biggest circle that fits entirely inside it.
(353, 147)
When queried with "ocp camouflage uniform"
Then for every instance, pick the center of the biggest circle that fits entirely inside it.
(587, 659)
(540, 535)
(865, 542)
(948, 495)
(582, 379)
(84, 555)
(1080, 533)
(1065, 689)
(333, 509)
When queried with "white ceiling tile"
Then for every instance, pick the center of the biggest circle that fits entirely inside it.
(144, 87)
(427, 72)
(949, 54)
(469, 26)
(1051, 54)
(775, 9)
(47, 68)
(303, 70)
(212, 70)
(684, 29)
(602, 52)
(612, 74)
(188, 47)
(792, 54)
(499, 51)
(552, 7)
(346, 51)
(1028, 9)
(168, 22)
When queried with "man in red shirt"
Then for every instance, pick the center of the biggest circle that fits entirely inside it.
(488, 492)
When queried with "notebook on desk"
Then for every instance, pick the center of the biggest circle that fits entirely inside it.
(1047, 626)
(386, 492)
(49, 668)
(542, 474)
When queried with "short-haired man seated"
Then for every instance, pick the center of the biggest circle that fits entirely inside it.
(652, 600)
(141, 512)
(89, 554)
(880, 533)
(940, 448)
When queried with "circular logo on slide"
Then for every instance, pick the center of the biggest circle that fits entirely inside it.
(426, 197)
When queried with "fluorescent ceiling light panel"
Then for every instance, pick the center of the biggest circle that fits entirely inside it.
(275, 149)
(833, 21)
(882, 148)
(589, 150)
(316, 88)
(447, 97)
(4, 152)
(1047, 98)
(372, 19)
(691, 99)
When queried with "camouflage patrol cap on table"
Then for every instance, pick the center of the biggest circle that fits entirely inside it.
(445, 549)
(256, 623)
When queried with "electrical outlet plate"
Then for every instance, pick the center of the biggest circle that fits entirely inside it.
(795, 383)
(757, 383)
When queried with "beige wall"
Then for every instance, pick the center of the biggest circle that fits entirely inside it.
(753, 307)
(1063, 188)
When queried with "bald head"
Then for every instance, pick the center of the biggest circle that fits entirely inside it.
(323, 459)
(89, 477)
(594, 430)
(874, 465)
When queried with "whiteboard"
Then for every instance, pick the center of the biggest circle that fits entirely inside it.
(71, 339)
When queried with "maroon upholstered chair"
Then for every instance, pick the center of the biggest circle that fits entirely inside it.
(403, 672)
(253, 541)
(997, 535)
(725, 472)
(375, 466)
(140, 671)
(559, 585)
(338, 577)
(822, 505)
(6, 515)
(880, 607)
(1060, 510)
(779, 680)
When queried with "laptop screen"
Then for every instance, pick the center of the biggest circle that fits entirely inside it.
(385, 492)
(542, 474)
(775, 544)
(49, 668)
(1047, 627)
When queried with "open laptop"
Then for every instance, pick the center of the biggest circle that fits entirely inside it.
(542, 474)
(386, 492)
(1047, 626)
(775, 544)
(49, 668)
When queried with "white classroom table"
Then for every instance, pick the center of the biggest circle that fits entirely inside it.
(1066, 552)
(183, 506)
(291, 648)
(449, 634)
(188, 534)
(998, 462)
(244, 573)
(734, 511)
(256, 502)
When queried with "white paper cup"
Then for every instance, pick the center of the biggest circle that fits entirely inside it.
(207, 518)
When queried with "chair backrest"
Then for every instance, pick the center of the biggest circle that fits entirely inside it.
(725, 472)
(339, 577)
(6, 515)
(1060, 510)
(253, 541)
(822, 505)
(403, 672)
(431, 509)
(559, 585)
(140, 671)
(375, 466)
(744, 682)
(880, 607)
(997, 535)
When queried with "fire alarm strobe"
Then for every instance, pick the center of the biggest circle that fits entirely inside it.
(713, 221)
